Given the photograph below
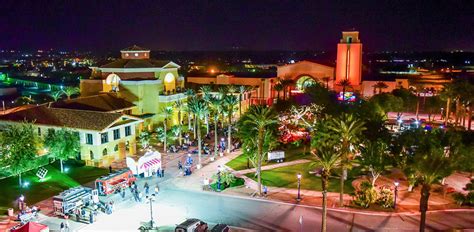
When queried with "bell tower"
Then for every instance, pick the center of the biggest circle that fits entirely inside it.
(349, 59)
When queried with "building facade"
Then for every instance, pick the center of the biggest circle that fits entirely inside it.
(349, 59)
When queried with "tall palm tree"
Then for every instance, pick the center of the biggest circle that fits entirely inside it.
(344, 84)
(448, 93)
(70, 90)
(199, 108)
(430, 165)
(348, 131)
(231, 89)
(230, 101)
(278, 87)
(242, 90)
(215, 104)
(260, 119)
(380, 85)
(327, 158)
(189, 94)
(326, 80)
(418, 89)
(206, 94)
(56, 95)
(179, 105)
(166, 113)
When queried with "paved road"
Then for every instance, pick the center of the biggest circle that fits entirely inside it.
(174, 205)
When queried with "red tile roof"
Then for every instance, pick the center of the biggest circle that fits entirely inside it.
(101, 103)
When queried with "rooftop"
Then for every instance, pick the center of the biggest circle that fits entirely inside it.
(77, 119)
(134, 48)
(136, 63)
(100, 103)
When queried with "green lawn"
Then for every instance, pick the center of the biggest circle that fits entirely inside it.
(286, 177)
(54, 183)
(240, 162)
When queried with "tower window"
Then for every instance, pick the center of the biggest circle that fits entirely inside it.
(349, 39)
(126, 54)
(136, 54)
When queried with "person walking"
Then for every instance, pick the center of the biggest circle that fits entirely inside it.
(265, 191)
(147, 188)
(158, 173)
(180, 165)
(61, 227)
(162, 172)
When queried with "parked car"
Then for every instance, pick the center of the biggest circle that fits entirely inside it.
(192, 225)
(220, 228)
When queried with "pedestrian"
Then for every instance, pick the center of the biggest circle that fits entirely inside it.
(66, 225)
(110, 169)
(162, 172)
(140, 195)
(180, 165)
(91, 217)
(156, 189)
(147, 188)
(265, 190)
(123, 193)
(62, 226)
(158, 173)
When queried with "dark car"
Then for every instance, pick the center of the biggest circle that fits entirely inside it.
(192, 225)
(220, 228)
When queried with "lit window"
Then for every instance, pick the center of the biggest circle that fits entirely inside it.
(126, 54)
(136, 54)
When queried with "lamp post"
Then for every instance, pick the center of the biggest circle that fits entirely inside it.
(299, 186)
(396, 194)
(21, 202)
(151, 199)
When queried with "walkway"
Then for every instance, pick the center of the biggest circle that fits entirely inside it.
(272, 166)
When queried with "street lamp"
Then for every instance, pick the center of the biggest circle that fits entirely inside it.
(151, 199)
(299, 186)
(396, 194)
(21, 202)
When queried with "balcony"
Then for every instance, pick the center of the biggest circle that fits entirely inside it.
(171, 97)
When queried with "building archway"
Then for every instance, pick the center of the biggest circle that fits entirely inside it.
(305, 81)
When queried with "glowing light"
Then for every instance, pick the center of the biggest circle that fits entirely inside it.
(66, 169)
(26, 184)
(169, 78)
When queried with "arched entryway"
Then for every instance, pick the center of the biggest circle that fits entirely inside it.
(304, 81)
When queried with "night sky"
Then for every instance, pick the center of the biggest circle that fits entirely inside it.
(106, 25)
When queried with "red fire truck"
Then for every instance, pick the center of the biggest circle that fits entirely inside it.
(118, 180)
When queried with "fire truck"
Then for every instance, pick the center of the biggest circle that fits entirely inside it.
(69, 201)
(115, 181)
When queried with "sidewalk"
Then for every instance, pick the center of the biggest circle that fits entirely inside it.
(272, 166)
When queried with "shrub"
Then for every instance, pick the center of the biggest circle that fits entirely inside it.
(366, 195)
(467, 200)
(385, 198)
(227, 178)
(459, 198)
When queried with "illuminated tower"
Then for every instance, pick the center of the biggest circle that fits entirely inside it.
(349, 58)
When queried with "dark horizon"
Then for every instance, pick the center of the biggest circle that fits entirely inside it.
(108, 26)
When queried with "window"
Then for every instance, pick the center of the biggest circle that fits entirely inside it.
(126, 54)
(89, 139)
(104, 152)
(128, 131)
(116, 148)
(116, 134)
(104, 138)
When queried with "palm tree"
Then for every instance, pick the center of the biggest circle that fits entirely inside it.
(189, 94)
(56, 95)
(199, 108)
(448, 94)
(215, 104)
(430, 165)
(230, 101)
(326, 80)
(278, 87)
(231, 89)
(179, 105)
(348, 131)
(380, 85)
(374, 158)
(344, 84)
(260, 118)
(166, 113)
(242, 90)
(286, 82)
(327, 158)
(70, 90)
(206, 94)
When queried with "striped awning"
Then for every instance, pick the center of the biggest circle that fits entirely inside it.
(150, 163)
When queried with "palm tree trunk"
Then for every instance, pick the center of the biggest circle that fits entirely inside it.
(458, 107)
(229, 133)
(324, 183)
(180, 135)
(61, 165)
(19, 179)
(199, 144)
(341, 192)
(189, 121)
(216, 150)
(425, 194)
(240, 105)
(469, 118)
(417, 105)
(207, 123)
(260, 156)
(194, 126)
(448, 106)
(343, 93)
(164, 143)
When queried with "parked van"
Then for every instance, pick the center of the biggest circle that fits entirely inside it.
(220, 228)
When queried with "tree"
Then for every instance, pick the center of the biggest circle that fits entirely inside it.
(199, 108)
(278, 87)
(242, 90)
(24, 100)
(409, 99)
(19, 146)
(258, 120)
(70, 90)
(56, 95)
(327, 158)
(190, 94)
(179, 105)
(374, 158)
(344, 84)
(62, 144)
(380, 85)
(206, 94)
(433, 105)
(348, 131)
(230, 101)
(144, 138)
(388, 102)
(215, 104)
(166, 113)
(430, 165)
(418, 89)
(448, 94)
